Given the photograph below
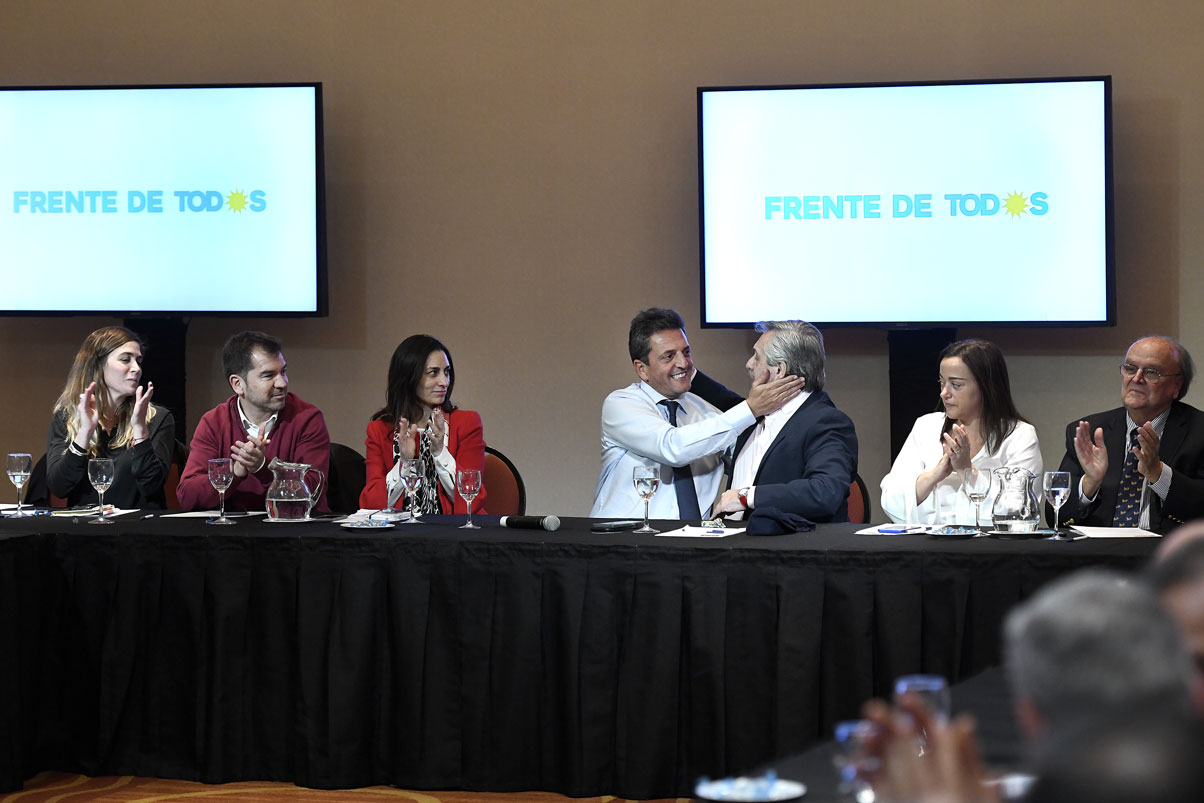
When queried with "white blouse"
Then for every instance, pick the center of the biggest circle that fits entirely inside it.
(922, 452)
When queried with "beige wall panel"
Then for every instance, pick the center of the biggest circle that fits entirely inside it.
(518, 178)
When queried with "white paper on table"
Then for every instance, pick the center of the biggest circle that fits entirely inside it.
(906, 529)
(110, 511)
(10, 506)
(703, 532)
(209, 514)
(1115, 532)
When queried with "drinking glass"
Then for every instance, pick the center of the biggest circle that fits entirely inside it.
(100, 474)
(18, 467)
(932, 692)
(1057, 491)
(468, 483)
(976, 482)
(412, 470)
(221, 475)
(647, 479)
(853, 760)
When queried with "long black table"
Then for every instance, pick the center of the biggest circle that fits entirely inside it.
(505, 660)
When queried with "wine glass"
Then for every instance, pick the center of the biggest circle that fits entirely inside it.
(1057, 491)
(853, 760)
(932, 692)
(100, 474)
(647, 479)
(468, 483)
(18, 467)
(976, 482)
(221, 476)
(412, 470)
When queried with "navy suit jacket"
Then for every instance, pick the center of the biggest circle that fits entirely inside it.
(810, 464)
(1181, 448)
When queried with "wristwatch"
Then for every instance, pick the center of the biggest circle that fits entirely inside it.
(743, 493)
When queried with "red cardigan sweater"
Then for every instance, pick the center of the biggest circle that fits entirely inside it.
(298, 436)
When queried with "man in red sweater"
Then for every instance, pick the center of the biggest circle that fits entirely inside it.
(262, 420)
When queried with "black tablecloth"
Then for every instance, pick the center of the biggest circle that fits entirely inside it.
(432, 657)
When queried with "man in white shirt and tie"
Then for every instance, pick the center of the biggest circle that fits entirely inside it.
(658, 421)
(801, 458)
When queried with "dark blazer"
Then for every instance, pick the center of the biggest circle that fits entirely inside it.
(809, 466)
(1182, 448)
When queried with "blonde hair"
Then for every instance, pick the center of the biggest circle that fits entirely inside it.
(87, 368)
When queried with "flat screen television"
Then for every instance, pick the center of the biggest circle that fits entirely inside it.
(162, 200)
(984, 202)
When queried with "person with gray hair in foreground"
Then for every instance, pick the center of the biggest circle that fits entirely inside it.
(1177, 575)
(1089, 643)
(1082, 655)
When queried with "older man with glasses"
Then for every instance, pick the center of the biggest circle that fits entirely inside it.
(1142, 464)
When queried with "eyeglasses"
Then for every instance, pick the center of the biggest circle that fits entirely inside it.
(1151, 375)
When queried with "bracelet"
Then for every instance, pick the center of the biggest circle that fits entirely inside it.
(75, 450)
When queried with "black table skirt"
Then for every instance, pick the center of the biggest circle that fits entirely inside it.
(500, 660)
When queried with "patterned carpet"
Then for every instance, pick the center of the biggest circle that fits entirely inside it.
(59, 787)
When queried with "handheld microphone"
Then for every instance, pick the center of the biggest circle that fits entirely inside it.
(549, 523)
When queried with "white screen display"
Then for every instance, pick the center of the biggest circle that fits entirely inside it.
(951, 203)
(160, 199)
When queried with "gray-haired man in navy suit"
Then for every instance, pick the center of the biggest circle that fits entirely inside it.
(802, 457)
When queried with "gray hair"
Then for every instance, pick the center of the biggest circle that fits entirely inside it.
(1091, 642)
(798, 344)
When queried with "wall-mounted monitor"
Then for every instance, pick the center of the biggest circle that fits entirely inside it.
(908, 205)
(162, 200)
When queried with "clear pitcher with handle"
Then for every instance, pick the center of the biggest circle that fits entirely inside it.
(289, 496)
(1016, 509)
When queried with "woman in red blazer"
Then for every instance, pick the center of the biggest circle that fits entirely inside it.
(419, 420)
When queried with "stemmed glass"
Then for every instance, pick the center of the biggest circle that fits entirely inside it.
(221, 475)
(647, 479)
(18, 467)
(100, 474)
(1057, 491)
(976, 482)
(932, 692)
(468, 483)
(413, 469)
(853, 759)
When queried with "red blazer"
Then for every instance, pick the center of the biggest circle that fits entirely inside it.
(465, 441)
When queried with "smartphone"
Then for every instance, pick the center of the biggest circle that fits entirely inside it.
(615, 526)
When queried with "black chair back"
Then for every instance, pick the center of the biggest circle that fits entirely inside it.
(347, 477)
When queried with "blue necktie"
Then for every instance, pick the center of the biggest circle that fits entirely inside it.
(683, 476)
(1128, 495)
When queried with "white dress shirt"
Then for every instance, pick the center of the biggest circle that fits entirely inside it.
(947, 503)
(758, 443)
(636, 431)
(253, 429)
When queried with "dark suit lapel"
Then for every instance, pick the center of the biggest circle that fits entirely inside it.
(795, 420)
(1114, 444)
(742, 439)
(1173, 434)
